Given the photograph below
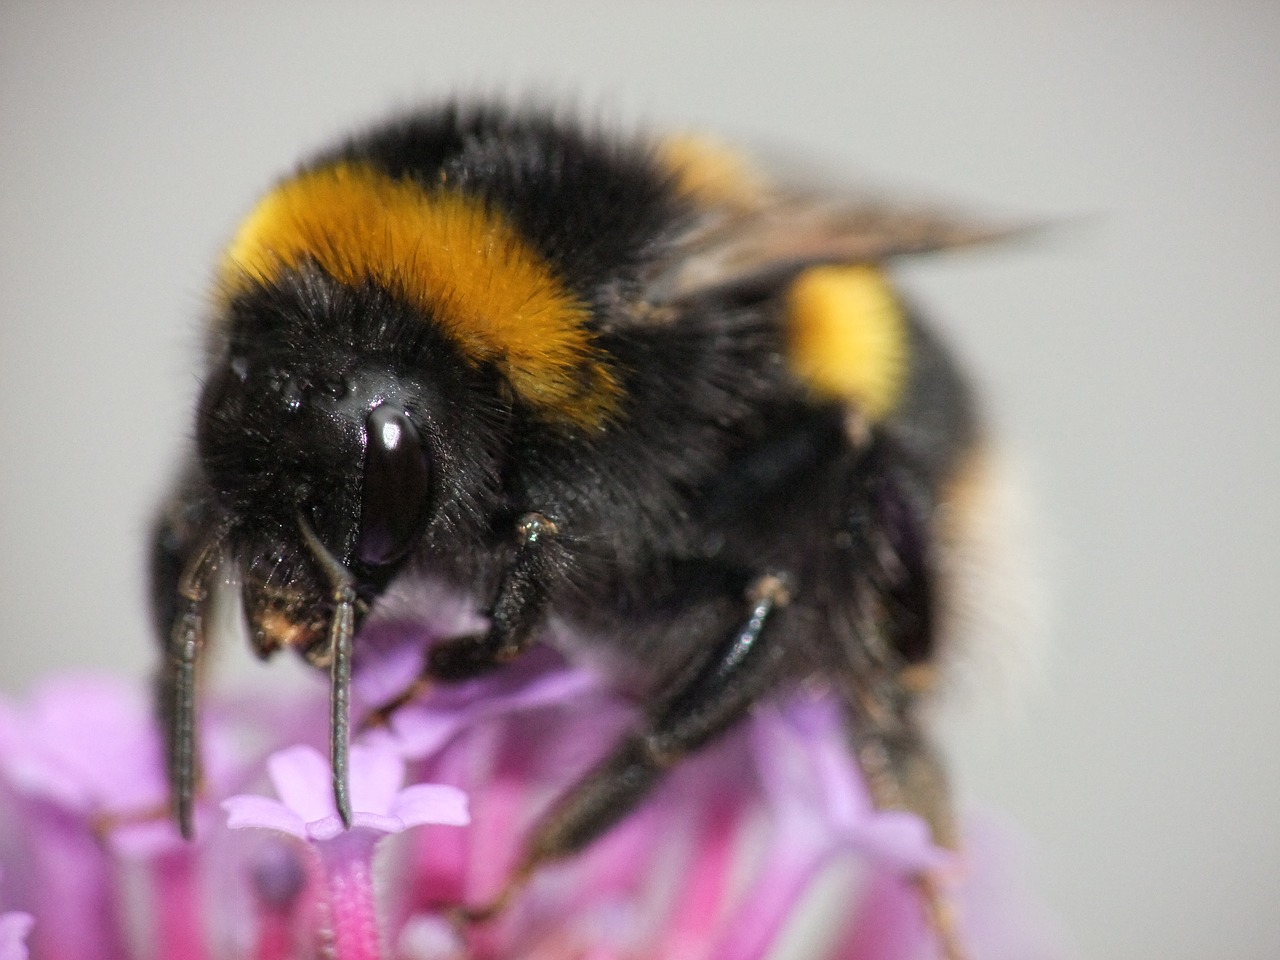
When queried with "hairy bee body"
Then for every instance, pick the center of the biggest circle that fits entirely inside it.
(621, 385)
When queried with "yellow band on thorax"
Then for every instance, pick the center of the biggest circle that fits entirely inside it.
(846, 336)
(449, 255)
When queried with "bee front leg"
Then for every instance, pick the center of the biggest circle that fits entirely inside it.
(183, 563)
(721, 691)
(342, 629)
(517, 609)
(516, 613)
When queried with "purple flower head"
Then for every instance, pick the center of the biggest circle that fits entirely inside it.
(14, 927)
(89, 746)
(1000, 919)
(712, 865)
(818, 797)
(541, 678)
(302, 778)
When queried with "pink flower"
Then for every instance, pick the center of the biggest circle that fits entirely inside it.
(89, 746)
(82, 759)
(424, 727)
(713, 865)
(302, 779)
(1000, 919)
(819, 811)
(14, 927)
(817, 795)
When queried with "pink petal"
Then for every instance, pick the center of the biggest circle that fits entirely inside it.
(377, 822)
(382, 675)
(887, 925)
(304, 782)
(14, 928)
(898, 840)
(251, 810)
(423, 729)
(431, 803)
(817, 793)
(147, 838)
(376, 775)
(120, 763)
(430, 937)
(326, 828)
(31, 771)
(422, 732)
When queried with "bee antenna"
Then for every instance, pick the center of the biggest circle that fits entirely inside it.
(341, 633)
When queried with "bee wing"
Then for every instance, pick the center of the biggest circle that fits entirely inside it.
(746, 251)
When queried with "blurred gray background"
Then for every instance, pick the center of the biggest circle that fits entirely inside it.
(1129, 359)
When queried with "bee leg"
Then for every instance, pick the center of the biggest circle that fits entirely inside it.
(718, 694)
(515, 615)
(903, 771)
(181, 588)
(517, 608)
(342, 629)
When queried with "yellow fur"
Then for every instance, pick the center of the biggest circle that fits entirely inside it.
(449, 255)
(711, 171)
(847, 337)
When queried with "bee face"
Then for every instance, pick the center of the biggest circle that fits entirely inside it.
(334, 409)
(337, 405)
(623, 384)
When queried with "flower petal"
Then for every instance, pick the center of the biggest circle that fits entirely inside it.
(423, 729)
(377, 822)
(431, 803)
(376, 775)
(326, 828)
(251, 810)
(14, 928)
(430, 937)
(304, 781)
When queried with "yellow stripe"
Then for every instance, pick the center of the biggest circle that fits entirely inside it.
(447, 254)
(847, 336)
(711, 171)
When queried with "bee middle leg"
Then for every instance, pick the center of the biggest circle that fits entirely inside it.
(717, 695)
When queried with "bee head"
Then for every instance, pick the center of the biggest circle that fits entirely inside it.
(334, 406)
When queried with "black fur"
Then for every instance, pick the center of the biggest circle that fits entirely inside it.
(717, 468)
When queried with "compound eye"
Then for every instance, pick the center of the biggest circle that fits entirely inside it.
(397, 486)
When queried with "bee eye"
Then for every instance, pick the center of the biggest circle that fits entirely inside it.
(397, 484)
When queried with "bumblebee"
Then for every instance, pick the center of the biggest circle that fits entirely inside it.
(624, 385)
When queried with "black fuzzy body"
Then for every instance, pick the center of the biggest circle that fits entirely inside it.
(718, 465)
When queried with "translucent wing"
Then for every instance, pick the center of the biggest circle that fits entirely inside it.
(754, 237)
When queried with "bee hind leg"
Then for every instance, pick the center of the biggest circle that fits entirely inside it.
(903, 771)
(718, 694)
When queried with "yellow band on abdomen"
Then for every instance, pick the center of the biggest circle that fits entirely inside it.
(846, 336)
